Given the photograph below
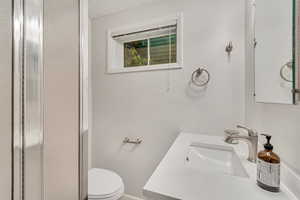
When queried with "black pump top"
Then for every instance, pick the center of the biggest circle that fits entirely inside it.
(268, 145)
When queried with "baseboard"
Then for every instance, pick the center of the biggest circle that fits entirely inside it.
(130, 197)
(290, 181)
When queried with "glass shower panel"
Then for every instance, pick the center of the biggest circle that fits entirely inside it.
(33, 113)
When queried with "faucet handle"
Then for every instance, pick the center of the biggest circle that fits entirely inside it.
(251, 132)
(231, 132)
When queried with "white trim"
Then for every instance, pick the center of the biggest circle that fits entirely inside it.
(144, 68)
(116, 65)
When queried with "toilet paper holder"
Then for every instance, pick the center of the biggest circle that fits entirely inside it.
(128, 141)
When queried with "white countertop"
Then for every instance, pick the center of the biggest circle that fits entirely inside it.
(172, 180)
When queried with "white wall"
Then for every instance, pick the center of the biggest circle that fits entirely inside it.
(281, 121)
(106, 7)
(157, 105)
(61, 64)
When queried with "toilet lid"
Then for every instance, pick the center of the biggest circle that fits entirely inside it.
(103, 183)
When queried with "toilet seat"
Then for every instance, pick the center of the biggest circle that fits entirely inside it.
(104, 184)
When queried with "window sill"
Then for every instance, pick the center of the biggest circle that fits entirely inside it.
(144, 68)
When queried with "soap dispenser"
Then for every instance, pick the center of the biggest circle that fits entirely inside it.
(268, 167)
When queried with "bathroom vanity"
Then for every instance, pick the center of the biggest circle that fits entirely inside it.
(205, 167)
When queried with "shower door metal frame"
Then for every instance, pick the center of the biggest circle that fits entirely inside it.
(83, 100)
(28, 100)
(17, 110)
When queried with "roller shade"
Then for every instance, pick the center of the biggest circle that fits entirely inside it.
(145, 33)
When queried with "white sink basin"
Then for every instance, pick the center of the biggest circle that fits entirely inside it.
(215, 170)
(214, 159)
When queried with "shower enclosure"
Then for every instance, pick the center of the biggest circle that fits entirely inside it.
(6, 99)
(43, 99)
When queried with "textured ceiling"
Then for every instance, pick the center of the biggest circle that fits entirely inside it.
(98, 8)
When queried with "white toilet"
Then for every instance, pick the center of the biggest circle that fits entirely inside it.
(104, 185)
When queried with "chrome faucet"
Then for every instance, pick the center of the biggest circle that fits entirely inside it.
(251, 140)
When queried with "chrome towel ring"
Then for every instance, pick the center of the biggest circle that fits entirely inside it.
(286, 68)
(196, 77)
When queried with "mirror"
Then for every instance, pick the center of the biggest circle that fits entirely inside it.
(274, 51)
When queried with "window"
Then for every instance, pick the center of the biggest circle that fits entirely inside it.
(151, 51)
(153, 47)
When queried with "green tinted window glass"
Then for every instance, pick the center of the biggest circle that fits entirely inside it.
(163, 50)
(136, 53)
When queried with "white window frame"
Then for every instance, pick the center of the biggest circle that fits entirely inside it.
(115, 54)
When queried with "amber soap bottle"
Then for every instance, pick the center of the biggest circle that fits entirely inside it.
(268, 168)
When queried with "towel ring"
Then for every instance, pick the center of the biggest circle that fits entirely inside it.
(289, 66)
(195, 77)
